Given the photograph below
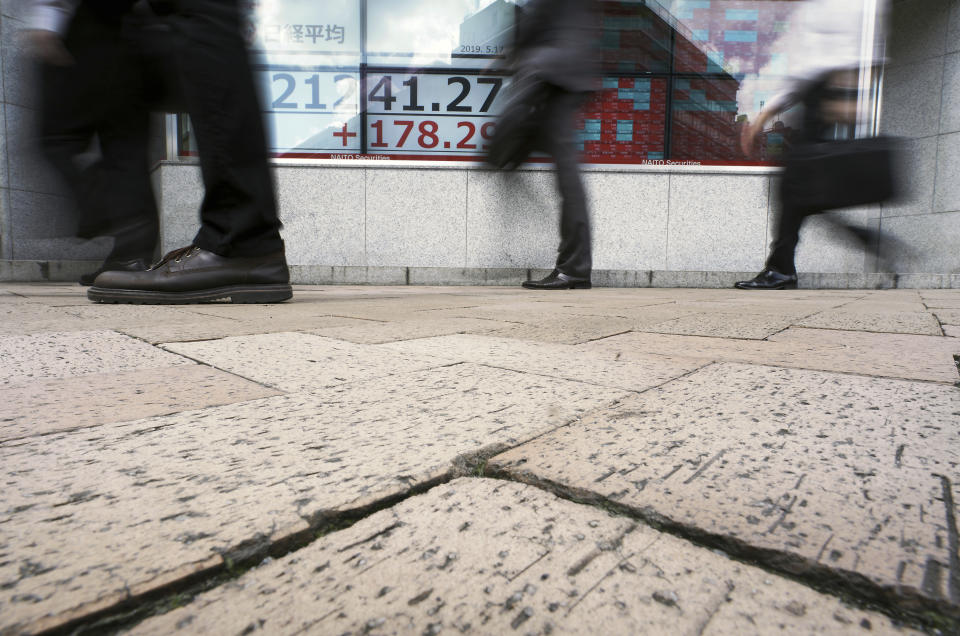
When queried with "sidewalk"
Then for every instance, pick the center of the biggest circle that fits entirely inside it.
(426, 460)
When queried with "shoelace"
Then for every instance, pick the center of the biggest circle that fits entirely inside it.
(176, 255)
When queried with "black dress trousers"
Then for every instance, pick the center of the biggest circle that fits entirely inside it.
(239, 212)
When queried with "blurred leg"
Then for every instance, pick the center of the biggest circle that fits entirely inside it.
(575, 256)
(125, 191)
(72, 102)
(786, 236)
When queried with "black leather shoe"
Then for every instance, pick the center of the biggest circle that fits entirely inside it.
(558, 280)
(769, 279)
(133, 265)
(194, 275)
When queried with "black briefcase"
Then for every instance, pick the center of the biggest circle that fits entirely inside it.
(840, 174)
(518, 128)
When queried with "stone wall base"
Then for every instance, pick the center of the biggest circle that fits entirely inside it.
(70, 271)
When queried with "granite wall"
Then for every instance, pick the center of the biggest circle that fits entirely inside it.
(922, 102)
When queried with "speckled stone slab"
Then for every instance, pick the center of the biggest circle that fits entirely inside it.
(838, 475)
(48, 406)
(749, 326)
(921, 323)
(90, 517)
(61, 355)
(379, 332)
(884, 355)
(300, 361)
(555, 360)
(486, 557)
(952, 331)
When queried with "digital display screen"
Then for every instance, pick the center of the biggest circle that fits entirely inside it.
(426, 79)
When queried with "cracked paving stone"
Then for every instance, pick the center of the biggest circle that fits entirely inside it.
(886, 355)
(61, 355)
(484, 556)
(150, 502)
(835, 474)
(40, 407)
(297, 362)
(556, 360)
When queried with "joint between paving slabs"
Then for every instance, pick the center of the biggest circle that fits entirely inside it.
(851, 588)
(248, 554)
(902, 606)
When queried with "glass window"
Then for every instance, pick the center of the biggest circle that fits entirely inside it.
(423, 79)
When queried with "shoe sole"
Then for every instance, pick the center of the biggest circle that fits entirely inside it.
(573, 286)
(774, 287)
(238, 294)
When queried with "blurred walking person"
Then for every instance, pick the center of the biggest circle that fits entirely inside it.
(825, 168)
(91, 95)
(554, 62)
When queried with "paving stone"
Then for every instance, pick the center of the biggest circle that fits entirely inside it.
(568, 330)
(943, 303)
(873, 306)
(884, 355)
(153, 501)
(555, 360)
(36, 316)
(948, 316)
(29, 290)
(747, 305)
(63, 355)
(838, 475)
(214, 328)
(749, 326)
(301, 308)
(951, 330)
(296, 362)
(885, 322)
(27, 317)
(386, 309)
(481, 556)
(48, 406)
(376, 333)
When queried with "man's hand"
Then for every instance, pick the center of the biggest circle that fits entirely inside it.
(46, 46)
(750, 133)
(748, 138)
